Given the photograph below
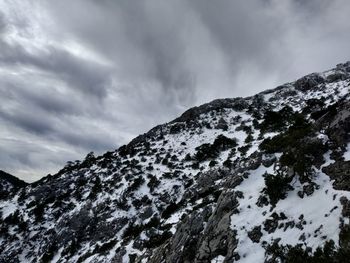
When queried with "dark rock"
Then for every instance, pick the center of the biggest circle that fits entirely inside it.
(271, 224)
(262, 201)
(337, 76)
(255, 234)
(147, 213)
(268, 159)
(309, 82)
(309, 189)
(340, 173)
(346, 206)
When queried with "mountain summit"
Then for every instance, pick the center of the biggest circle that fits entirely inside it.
(258, 179)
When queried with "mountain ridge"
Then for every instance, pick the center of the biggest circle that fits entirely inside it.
(216, 184)
(218, 103)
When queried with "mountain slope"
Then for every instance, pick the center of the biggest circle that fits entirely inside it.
(257, 179)
(9, 184)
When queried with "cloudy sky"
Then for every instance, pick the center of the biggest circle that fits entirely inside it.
(89, 75)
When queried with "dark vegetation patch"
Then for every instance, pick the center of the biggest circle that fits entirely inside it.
(289, 139)
(276, 187)
(300, 150)
(314, 105)
(153, 182)
(339, 172)
(136, 183)
(244, 149)
(209, 151)
(278, 120)
(328, 112)
(301, 159)
(297, 254)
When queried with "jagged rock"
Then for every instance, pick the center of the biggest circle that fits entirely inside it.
(218, 238)
(337, 76)
(344, 66)
(340, 173)
(251, 163)
(346, 207)
(202, 235)
(268, 159)
(183, 244)
(308, 189)
(148, 212)
(309, 82)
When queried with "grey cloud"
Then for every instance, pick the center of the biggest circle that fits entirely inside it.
(58, 128)
(32, 123)
(3, 24)
(236, 27)
(95, 141)
(55, 105)
(139, 37)
(88, 78)
(44, 99)
(31, 161)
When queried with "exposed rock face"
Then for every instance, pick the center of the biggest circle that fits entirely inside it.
(234, 180)
(203, 235)
(340, 173)
(309, 82)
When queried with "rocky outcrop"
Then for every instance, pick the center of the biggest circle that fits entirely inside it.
(309, 82)
(202, 235)
(340, 173)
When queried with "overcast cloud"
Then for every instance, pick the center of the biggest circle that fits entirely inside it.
(87, 75)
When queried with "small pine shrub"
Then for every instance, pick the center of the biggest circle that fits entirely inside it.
(205, 152)
(137, 182)
(249, 138)
(276, 187)
(227, 163)
(38, 211)
(209, 151)
(212, 163)
(223, 143)
(170, 209)
(277, 120)
(153, 182)
(96, 188)
(244, 149)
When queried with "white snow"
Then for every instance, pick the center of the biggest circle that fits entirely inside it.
(218, 259)
(347, 153)
(8, 208)
(57, 256)
(321, 211)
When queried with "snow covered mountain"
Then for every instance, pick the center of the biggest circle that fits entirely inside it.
(9, 183)
(258, 179)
